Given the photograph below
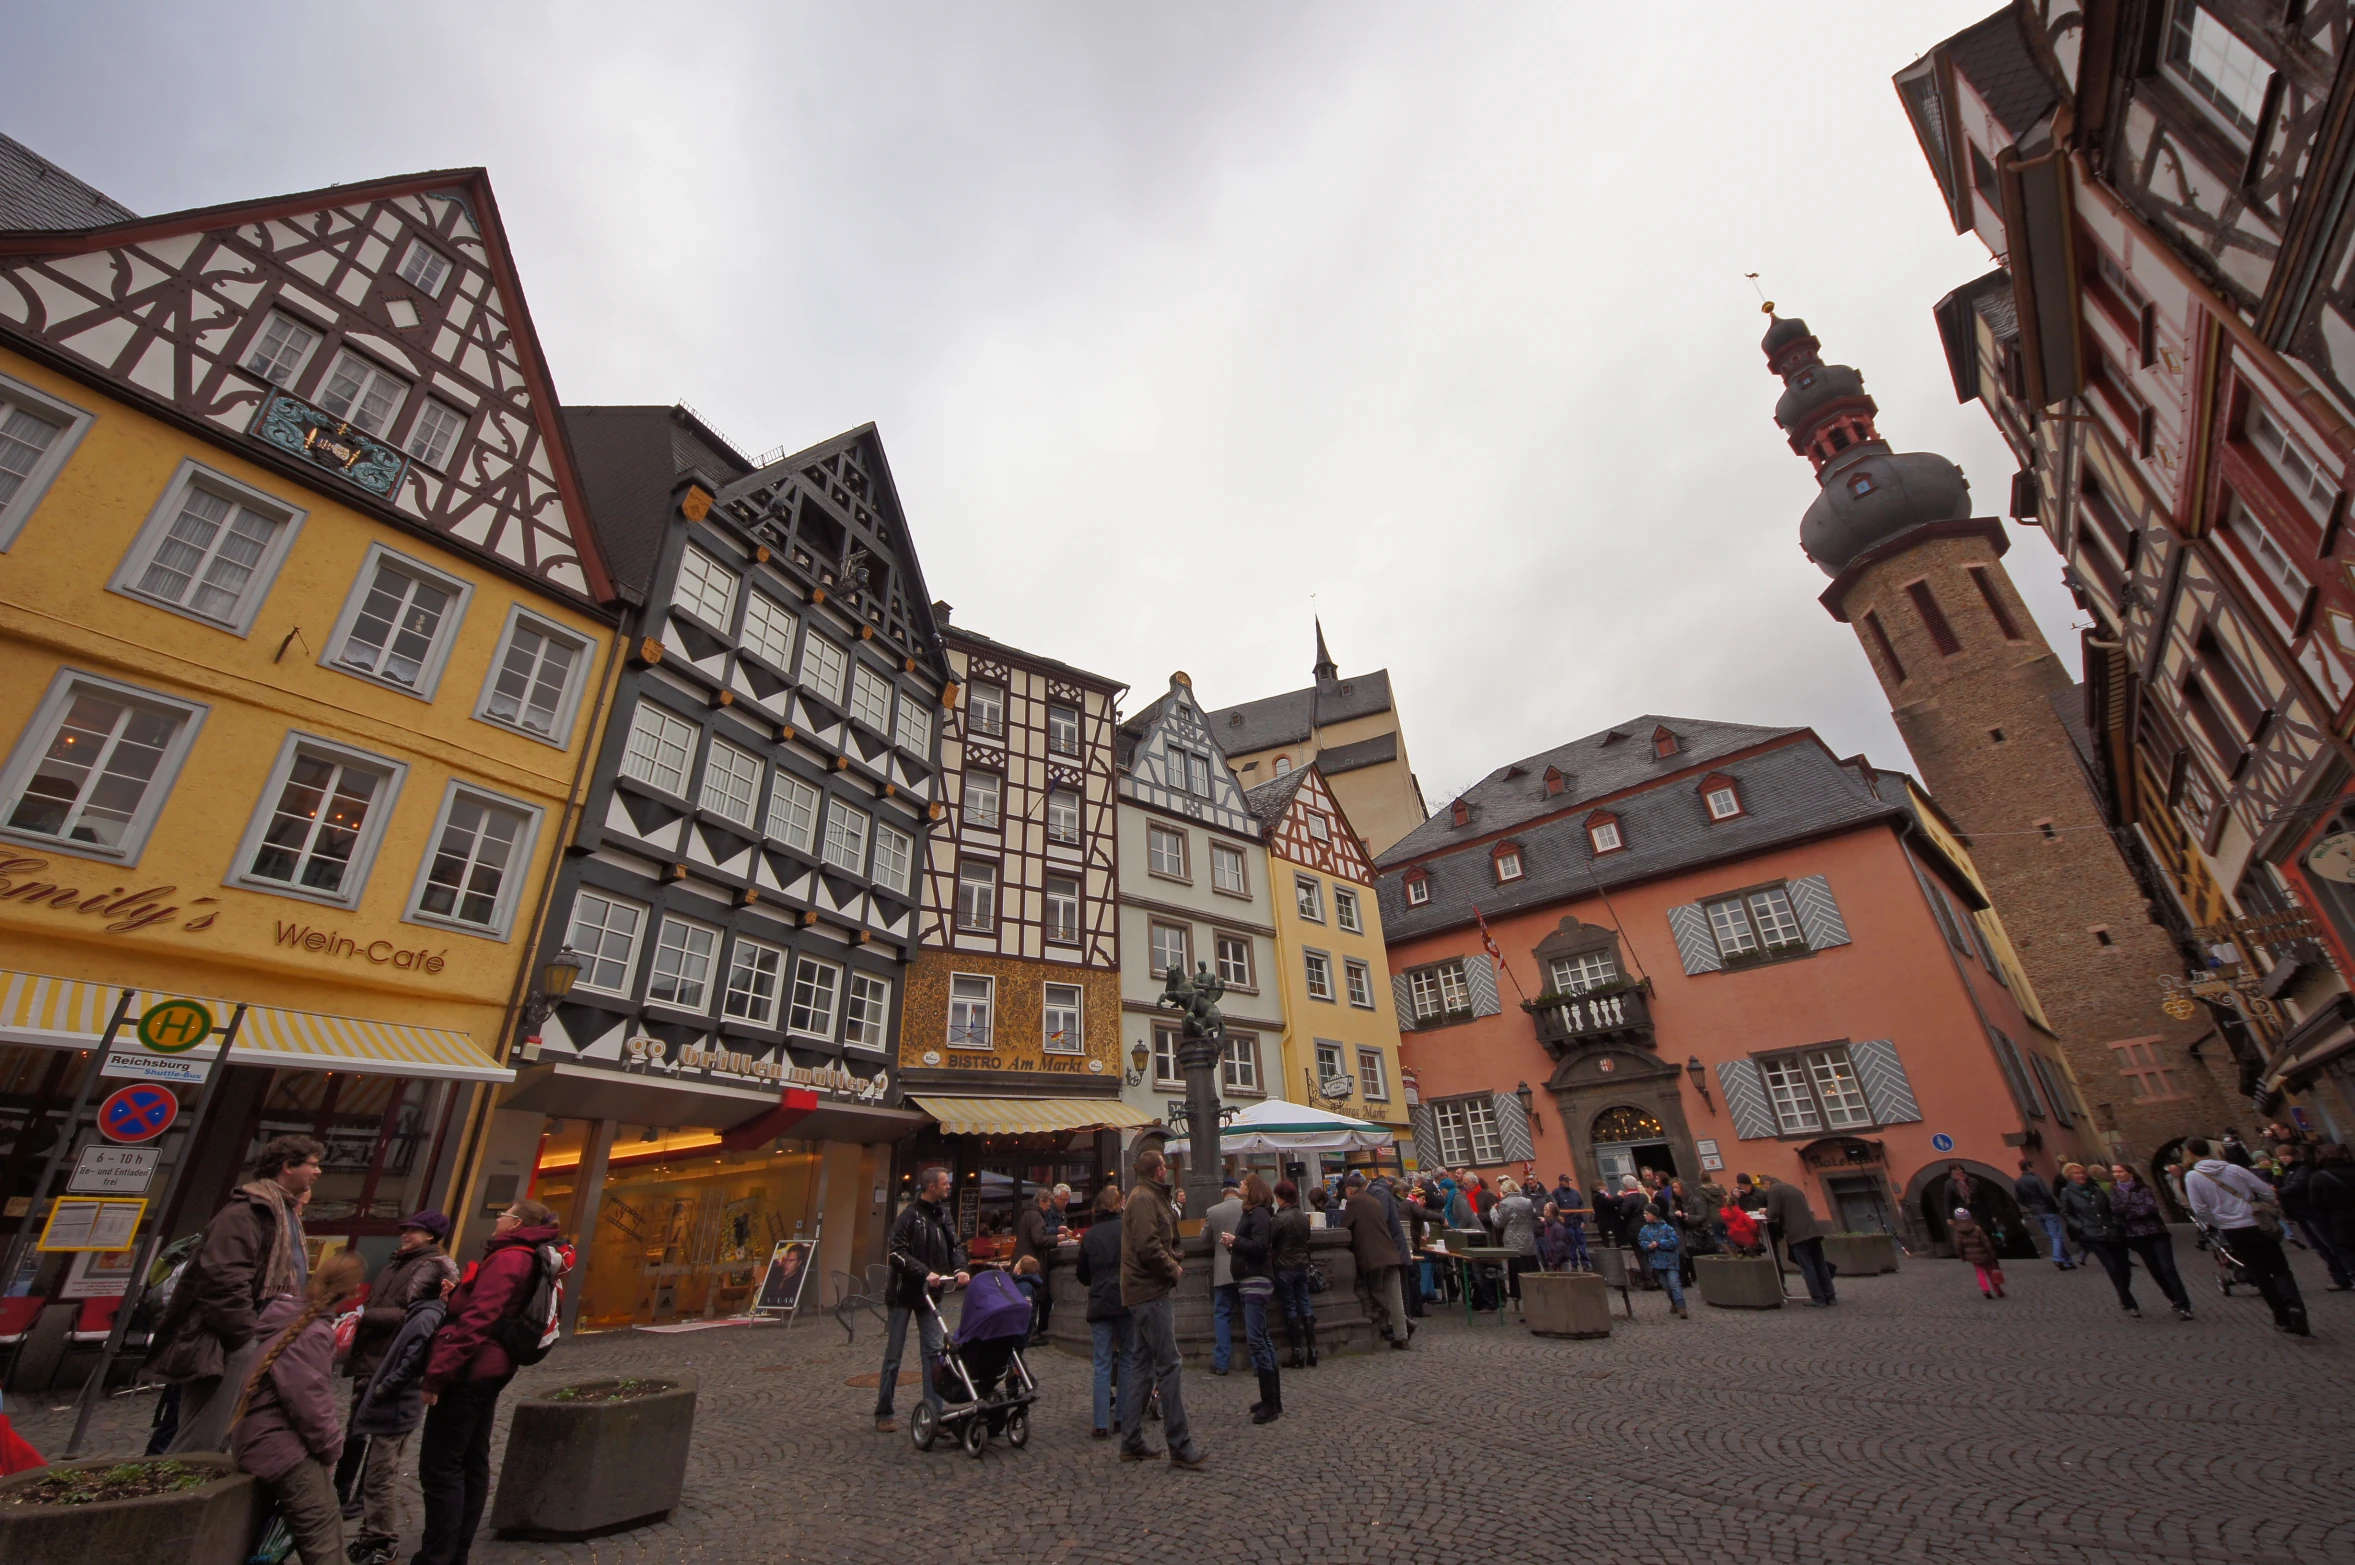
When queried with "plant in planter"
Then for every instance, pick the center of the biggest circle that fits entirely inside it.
(191, 1510)
(596, 1457)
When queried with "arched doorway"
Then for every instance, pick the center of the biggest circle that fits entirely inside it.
(1931, 1194)
(2156, 1173)
(1628, 1140)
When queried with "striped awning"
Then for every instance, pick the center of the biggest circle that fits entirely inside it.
(1021, 1116)
(71, 1013)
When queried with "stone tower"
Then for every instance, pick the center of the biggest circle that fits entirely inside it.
(1984, 707)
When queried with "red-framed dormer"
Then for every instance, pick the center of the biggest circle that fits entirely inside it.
(1604, 834)
(1721, 797)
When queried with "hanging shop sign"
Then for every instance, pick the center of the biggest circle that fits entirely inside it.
(2333, 858)
(140, 1112)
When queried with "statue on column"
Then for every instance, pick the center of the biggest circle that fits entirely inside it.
(1198, 997)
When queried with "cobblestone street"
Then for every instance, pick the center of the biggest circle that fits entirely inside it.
(1915, 1421)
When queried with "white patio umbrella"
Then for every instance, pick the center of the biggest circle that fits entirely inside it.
(1276, 1126)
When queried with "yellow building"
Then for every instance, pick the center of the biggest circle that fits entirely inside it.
(301, 652)
(1340, 1046)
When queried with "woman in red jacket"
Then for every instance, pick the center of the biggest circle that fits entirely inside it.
(287, 1430)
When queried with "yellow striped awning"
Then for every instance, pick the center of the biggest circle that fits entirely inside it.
(72, 1013)
(1021, 1116)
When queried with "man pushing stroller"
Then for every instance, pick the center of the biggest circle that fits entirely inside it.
(925, 1253)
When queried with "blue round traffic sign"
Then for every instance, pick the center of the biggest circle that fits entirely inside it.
(1943, 1142)
(139, 1112)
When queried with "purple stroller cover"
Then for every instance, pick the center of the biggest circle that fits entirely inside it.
(994, 1307)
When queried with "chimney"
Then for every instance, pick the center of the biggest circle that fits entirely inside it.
(940, 613)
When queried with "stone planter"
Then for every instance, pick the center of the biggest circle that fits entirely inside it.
(1565, 1304)
(212, 1524)
(1342, 1326)
(1738, 1282)
(576, 1468)
(1860, 1255)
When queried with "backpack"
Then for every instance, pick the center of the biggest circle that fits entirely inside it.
(526, 1332)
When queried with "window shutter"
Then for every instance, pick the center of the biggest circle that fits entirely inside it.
(1882, 1076)
(2047, 1078)
(1512, 1126)
(1404, 993)
(2016, 1072)
(1694, 943)
(1480, 980)
(1745, 1099)
(1819, 915)
(1426, 1133)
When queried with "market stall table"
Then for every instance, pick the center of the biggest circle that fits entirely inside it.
(1468, 1258)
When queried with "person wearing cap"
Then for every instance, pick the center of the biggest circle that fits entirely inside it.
(419, 1269)
(1226, 1300)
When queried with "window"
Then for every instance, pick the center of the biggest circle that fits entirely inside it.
(315, 835)
(1984, 181)
(983, 792)
(1585, 971)
(1984, 579)
(1418, 890)
(822, 667)
(977, 896)
(846, 837)
(1933, 618)
(1345, 911)
(1240, 1072)
(1166, 1071)
(400, 624)
(1165, 852)
(531, 685)
(1372, 1081)
(434, 431)
(1438, 990)
(1283, 765)
(705, 589)
(1195, 770)
(1872, 622)
(768, 630)
(971, 999)
(895, 858)
(2144, 1069)
(423, 268)
(1724, 803)
(1308, 895)
(1063, 816)
(914, 731)
(815, 985)
(1328, 1062)
(1605, 837)
(1226, 870)
(870, 698)
(480, 846)
(605, 933)
(1319, 827)
(755, 974)
(1167, 942)
(1467, 1133)
(1361, 983)
(2221, 71)
(1814, 1090)
(2272, 562)
(731, 782)
(985, 709)
(278, 353)
(1061, 1026)
(1508, 864)
(793, 810)
(1063, 731)
(1755, 921)
(866, 1012)
(1062, 910)
(1319, 968)
(95, 764)
(1234, 960)
(2298, 470)
(683, 957)
(361, 394)
(210, 549)
(661, 748)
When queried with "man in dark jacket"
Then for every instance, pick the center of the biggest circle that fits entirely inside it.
(2296, 1189)
(1394, 1213)
(420, 1268)
(1375, 1249)
(1108, 1321)
(252, 1253)
(1149, 1269)
(466, 1370)
(1786, 1206)
(925, 1254)
(388, 1406)
(2038, 1203)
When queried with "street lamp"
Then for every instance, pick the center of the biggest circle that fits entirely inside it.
(1700, 1074)
(556, 981)
(1527, 1098)
(1139, 1057)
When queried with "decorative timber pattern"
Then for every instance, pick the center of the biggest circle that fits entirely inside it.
(1314, 833)
(1179, 769)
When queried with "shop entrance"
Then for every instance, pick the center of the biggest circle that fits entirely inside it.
(993, 1177)
(1629, 1141)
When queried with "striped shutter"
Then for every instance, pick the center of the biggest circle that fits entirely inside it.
(2016, 1071)
(1886, 1088)
(1745, 1099)
(1426, 1126)
(2048, 1079)
(1512, 1128)
(1819, 915)
(1480, 979)
(1404, 993)
(1694, 943)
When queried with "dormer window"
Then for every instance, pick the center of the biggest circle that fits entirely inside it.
(1555, 782)
(1460, 813)
(1418, 889)
(1603, 832)
(1722, 798)
(1861, 484)
(1664, 743)
(1806, 380)
(1508, 862)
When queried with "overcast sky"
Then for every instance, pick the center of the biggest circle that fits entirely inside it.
(1174, 316)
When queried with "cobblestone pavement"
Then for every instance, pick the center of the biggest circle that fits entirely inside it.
(1915, 1421)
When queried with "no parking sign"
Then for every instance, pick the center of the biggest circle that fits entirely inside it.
(139, 1112)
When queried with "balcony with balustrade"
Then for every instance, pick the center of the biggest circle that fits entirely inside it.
(1569, 1021)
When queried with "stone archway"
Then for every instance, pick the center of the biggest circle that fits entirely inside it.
(1928, 1195)
(1634, 1097)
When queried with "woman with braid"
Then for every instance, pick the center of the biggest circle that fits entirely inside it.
(287, 1430)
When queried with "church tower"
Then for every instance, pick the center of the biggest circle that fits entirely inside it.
(1984, 706)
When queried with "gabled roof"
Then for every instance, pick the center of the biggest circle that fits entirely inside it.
(1994, 57)
(630, 459)
(1271, 799)
(974, 639)
(36, 193)
(1358, 754)
(1291, 717)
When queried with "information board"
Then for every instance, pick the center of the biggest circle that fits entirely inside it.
(87, 1223)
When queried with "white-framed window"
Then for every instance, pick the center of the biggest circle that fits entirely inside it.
(1062, 729)
(1063, 816)
(1345, 911)
(1318, 827)
(1508, 864)
(1467, 1132)
(1724, 803)
(1062, 902)
(756, 980)
(210, 549)
(769, 628)
(1240, 1071)
(731, 782)
(1064, 1024)
(1587, 970)
(1283, 766)
(1166, 1070)
(846, 837)
(320, 818)
(706, 589)
(1168, 943)
(661, 749)
(1360, 979)
(1234, 960)
(684, 954)
(973, 1002)
(1328, 1061)
(2225, 74)
(2299, 471)
(985, 708)
(1814, 1090)
(793, 811)
(37, 434)
(2271, 561)
(605, 931)
(984, 797)
(92, 769)
(534, 682)
(1418, 890)
(895, 858)
(1165, 852)
(912, 728)
(870, 698)
(1308, 895)
(434, 432)
(977, 896)
(1605, 836)
(1191, 772)
(1372, 1080)
(1226, 870)
(1755, 921)
(1319, 969)
(866, 1012)
(280, 349)
(1438, 989)
(399, 623)
(423, 268)
(816, 988)
(482, 848)
(362, 394)
(822, 666)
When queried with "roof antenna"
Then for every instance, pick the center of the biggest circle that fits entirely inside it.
(1765, 305)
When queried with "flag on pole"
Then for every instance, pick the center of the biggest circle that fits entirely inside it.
(1487, 939)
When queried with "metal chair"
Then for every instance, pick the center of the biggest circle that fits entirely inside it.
(850, 1296)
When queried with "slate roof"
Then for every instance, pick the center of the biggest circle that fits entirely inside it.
(1994, 58)
(36, 193)
(951, 631)
(1292, 716)
(1791, 790)
(1271, 799)
(1362, 753)
(628, 459)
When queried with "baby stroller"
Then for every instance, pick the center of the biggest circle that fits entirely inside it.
(986, 1349)
(2228, 1267)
